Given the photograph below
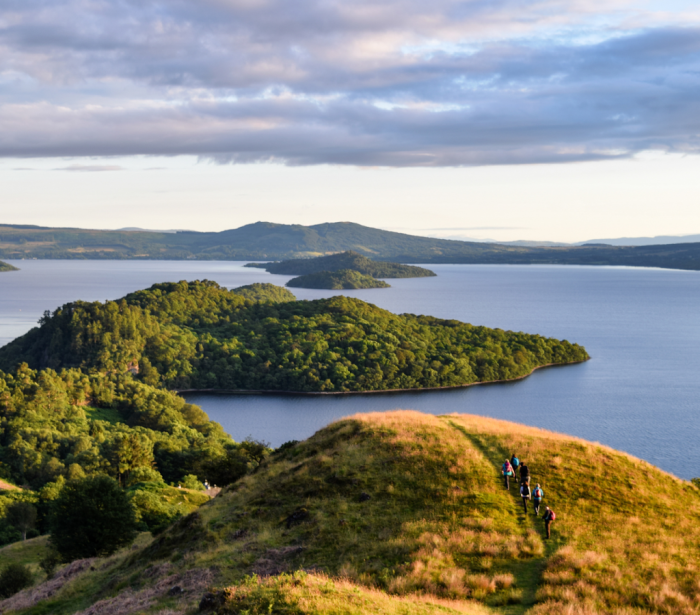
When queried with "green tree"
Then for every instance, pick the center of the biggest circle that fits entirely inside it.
(22, 515)
(92, 517)
(14, 578)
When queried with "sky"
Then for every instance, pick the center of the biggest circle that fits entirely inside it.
(559, 120)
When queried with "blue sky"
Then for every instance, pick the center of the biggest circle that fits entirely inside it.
(579, 116)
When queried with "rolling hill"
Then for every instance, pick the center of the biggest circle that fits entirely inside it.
(404, 513)
(268, 241)
(343, 279)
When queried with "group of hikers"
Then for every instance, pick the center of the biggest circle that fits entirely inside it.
(510, 469)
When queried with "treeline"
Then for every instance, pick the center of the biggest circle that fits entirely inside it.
(345, 260)
(198, 335)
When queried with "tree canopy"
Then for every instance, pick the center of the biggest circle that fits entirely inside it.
(345, 260)
(337, 280)
(197, 335)
(7, 267)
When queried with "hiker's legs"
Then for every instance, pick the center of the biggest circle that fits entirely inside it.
(548, 527)
(536, 504)
(505, 478)
(525, 504)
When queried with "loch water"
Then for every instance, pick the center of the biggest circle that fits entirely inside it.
(640, 392)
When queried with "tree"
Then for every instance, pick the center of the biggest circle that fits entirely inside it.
(22, 515)
(92, 517)
(14, 578)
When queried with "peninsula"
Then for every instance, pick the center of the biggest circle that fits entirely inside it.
(198, 335)
(7, 267)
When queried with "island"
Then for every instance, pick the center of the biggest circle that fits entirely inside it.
(343, 261)
(343, 279)
(198, 335)
(7, 267)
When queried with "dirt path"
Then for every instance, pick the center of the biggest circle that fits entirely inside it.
(6, 485)
(527, 573)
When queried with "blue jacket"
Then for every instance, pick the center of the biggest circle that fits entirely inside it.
(541, 494)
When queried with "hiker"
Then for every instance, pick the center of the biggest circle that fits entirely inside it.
(507, 472)
(524, 473)
(525, 494)
(515, 462)
(537, 496)
(549, 516)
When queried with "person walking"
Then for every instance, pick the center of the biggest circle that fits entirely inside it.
(507, 472)
(515, 462)
(537, 496)
(549, 517)
(525, 494)
(524, 473)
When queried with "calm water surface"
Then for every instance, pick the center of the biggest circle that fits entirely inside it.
(639, 393)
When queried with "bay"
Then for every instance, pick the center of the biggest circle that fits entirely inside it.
(640, 392)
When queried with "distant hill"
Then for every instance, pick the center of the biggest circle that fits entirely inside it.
(645, 241)
(343, 261)
(402, 513)
(7, 267)
(268, 241)
(343, 279)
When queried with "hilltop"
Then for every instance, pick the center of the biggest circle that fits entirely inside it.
(7, 267)
(337, 280)
(402, 512)
(264, 292)
(198, 335)
(268, 241)
(345, 260)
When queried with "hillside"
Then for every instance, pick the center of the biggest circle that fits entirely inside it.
(406, 513)
(197, 335)
(344, 260)
(336, 280)
(264, 292)
(7, 267)
(268, 241)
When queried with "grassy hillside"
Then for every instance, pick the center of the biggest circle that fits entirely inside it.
(336, 280)
(197, 335)
(407, 512)
(268, 241)
(344, 260)
(7, 267)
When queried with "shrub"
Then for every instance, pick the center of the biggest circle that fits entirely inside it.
(192, 482)
(14, 578)
(93, 517)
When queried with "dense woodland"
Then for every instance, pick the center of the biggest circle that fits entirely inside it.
(264, 292)
(343, 261)
(344, 279)
(198, 335)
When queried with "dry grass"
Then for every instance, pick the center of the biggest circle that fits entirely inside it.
(628, 533)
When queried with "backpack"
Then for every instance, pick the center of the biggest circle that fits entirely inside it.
(507, 469)
(537, 493)
(552, 516)
(516, 462)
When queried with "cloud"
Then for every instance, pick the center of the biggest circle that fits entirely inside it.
(90, 168)
(360, 82)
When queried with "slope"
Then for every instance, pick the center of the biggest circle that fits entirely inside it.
(402, 504)
(336, 280)
(7, 267)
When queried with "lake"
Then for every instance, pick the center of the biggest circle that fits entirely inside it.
(640, 392)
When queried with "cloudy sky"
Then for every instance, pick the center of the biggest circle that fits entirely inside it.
(506, 119)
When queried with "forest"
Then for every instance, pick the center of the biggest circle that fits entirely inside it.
(198, 335)
(343, 279)
(7, 267)
(345, 260)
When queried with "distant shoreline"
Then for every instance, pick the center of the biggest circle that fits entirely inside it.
(383, 391)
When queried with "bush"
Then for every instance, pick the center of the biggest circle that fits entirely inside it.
(192, 482)
(14, 578)
(92, 517)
